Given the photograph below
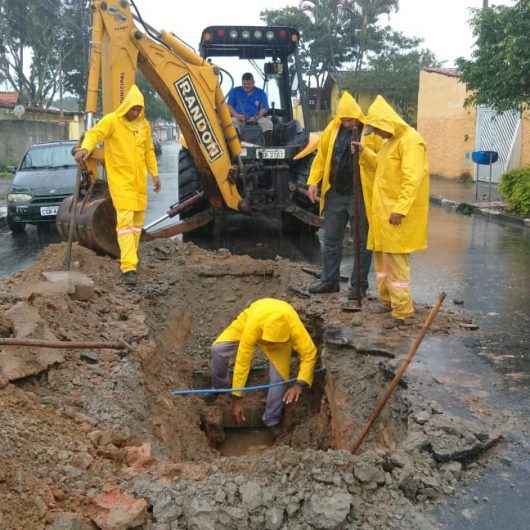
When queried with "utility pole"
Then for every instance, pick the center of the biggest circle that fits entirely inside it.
(485, 4)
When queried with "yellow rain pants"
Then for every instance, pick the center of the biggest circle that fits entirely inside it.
(393, 282)
(129, 228)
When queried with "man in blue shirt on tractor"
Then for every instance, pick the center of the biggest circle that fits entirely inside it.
(248, 105)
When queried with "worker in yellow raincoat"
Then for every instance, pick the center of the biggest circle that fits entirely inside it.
(275, 327)
(335, 181)
(129, 154)
(398, 211)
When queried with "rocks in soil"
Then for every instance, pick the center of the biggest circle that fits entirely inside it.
(328, 508)
(70, 521)
(6, 327)
(115, 510)
(368, 472)
(453, 438)
(17, 362)
(422, 417)
(449, 438)
(73, 432)
(89, 357)
(78, 285)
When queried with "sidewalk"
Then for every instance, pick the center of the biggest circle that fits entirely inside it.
(460, 196)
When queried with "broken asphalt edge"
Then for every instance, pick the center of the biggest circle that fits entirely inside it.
(489, 213)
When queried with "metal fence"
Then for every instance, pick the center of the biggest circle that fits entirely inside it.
(499, 132)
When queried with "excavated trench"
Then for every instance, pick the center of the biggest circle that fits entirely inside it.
(91, 422)
(328, 416)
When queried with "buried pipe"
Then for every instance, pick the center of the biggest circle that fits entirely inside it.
(122, 345)
(206, 391)
(399, 374)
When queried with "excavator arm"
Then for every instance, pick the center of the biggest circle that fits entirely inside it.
(189, 85)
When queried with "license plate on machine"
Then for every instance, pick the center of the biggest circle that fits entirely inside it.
(270, 154)
(49, 210)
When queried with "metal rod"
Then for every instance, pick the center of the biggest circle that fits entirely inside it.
(489, 185)
(62, 344)
(73, 215)
(156, 221)
(399, 374)
(476, 182)
(175, 209)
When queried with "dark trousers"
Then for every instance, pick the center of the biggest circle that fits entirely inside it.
(338, 210)
(222, 352)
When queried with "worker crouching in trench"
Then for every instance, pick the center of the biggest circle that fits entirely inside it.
(275, 327)
(129, 155)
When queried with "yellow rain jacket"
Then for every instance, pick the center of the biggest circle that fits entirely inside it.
(321, 167)
(129, 153)
(277, 323)
(401, 184)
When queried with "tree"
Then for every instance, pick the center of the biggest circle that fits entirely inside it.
(76, 22)
(394, 72)
(322, 48)
(334, 32)
(155, 108)
(365, 35)
(498, 74)
(31, 48)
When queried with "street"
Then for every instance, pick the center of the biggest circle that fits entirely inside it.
(483, 264)
(480, 262)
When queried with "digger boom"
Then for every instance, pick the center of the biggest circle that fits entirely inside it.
(212, 161)
(188, 84)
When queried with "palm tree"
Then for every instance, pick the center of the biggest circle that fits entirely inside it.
(366, 12)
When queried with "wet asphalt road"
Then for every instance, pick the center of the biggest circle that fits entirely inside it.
(485, 264)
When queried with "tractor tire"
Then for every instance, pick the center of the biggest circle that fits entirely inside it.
(189, 180)
(189, 184)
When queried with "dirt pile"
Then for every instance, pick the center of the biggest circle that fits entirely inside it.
(93, 439)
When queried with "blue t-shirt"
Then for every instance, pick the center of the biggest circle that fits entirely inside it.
(248, 104)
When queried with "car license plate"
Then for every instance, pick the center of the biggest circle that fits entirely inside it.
(270, 154)
(49, 210)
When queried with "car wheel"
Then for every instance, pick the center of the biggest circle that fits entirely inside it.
(15, 227)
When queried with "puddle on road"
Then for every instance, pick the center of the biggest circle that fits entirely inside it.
(240, 442)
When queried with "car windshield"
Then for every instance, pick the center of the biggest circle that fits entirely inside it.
(48, 156)
(238, 67)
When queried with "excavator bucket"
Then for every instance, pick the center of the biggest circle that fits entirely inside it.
(95, 223)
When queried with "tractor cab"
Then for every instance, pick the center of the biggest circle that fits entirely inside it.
(267, 52)
(272, 176)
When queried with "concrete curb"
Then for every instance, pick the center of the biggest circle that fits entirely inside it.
(491, 214)
(3, 216)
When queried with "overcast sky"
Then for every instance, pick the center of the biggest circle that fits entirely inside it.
(441, 23)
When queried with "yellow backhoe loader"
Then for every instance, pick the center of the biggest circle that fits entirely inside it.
(219, 171)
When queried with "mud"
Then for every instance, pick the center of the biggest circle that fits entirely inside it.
(95, 440)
